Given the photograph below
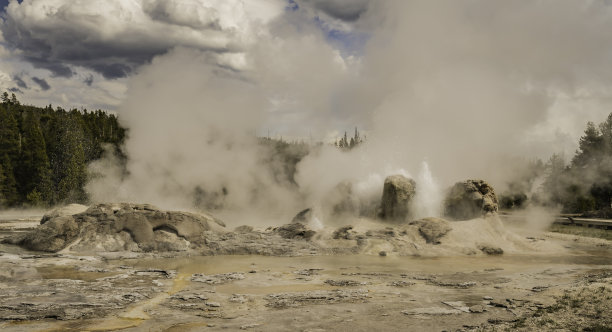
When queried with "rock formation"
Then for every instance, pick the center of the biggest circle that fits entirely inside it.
(432, 229)
(299, 228)
(470, 199)
(53, 236)
(345, 233)
(398, 191)
(303, 216)
(68, 210)
(115, 227)
(295, 231)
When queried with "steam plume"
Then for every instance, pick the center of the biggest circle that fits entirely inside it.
(461, 84)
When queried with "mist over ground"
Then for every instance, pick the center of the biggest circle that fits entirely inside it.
(444, 91)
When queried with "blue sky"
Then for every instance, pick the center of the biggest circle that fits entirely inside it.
(3, 4)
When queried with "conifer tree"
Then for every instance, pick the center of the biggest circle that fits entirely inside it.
(35, 172)
(9, 135)
(68, 159)
(606, 132)
(590, 147)
(2, 177)
(9, 184)
(14, 100)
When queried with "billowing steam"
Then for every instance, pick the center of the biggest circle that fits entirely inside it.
(460, 84)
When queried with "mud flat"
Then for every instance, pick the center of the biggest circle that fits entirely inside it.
(541, 281)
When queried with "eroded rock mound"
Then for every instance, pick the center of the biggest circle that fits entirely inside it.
(304, 216)
(344, 233)
(116, 227)
(53, 236)
(432, 229)
(68, 210)
(470, 199)
(398, 191)
(295, 230)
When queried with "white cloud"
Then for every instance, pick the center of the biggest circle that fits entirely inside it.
(84, 49)
(113, 37)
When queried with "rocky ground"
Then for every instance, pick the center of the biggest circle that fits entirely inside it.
(189, 273)
(172, 292)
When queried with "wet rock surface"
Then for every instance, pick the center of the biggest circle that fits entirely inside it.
(217, 279)
(470, 199)
(71, 293)
(343, 283)
(64, 292)
(285, 300)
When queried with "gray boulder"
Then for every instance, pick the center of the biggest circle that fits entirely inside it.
(470, 199)
(432, 229)
(398, 191)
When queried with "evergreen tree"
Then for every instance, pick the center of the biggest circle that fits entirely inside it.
(606, 133)
(35, 172)
(9, 135)
(590, 147)
(2, 178)
(67, 159)
(346, 144)
(9, 184)
(14, 100)
(357, 139)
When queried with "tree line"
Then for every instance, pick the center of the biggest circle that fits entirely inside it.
(345, 144)
(584, 185)
(44, 152)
